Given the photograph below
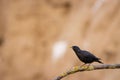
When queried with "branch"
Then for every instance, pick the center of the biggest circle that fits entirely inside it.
(87, 68)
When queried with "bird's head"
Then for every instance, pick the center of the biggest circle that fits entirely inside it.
(75, 48)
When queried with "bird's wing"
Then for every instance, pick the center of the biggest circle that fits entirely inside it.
(88, 54)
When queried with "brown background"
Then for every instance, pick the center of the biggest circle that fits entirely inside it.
(30, 28)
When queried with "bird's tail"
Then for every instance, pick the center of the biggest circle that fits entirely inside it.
(100, 62)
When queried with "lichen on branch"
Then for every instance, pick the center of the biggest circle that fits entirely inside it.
(87, 68)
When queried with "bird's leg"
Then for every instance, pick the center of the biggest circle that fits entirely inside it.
(88, 65)
(83, 65)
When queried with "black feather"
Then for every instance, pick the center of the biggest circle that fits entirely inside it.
(85, 56)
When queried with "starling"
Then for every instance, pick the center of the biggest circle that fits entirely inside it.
(85, 56)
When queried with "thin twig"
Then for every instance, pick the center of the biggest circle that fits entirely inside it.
(87, 68)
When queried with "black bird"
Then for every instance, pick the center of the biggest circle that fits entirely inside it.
(85, 56)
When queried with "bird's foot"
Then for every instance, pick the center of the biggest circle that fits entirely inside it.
(88, 67)
(84, 67)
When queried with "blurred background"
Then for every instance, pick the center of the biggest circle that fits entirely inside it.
(36, 36)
